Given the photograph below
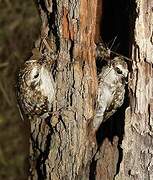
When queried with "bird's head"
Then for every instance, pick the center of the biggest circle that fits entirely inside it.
(31, 73)
(120, 66)
(35, 72)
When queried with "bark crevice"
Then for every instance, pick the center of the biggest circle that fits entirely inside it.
(43, 154)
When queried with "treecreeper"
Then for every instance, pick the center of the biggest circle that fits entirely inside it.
(36, 87)
(111, 86)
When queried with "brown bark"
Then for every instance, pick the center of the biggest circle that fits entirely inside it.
(107, 158)
(62, 147)
(137, 162)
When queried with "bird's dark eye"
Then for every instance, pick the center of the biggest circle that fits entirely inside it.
(118, 70)
(35, 76)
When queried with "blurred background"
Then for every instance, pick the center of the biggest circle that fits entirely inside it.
(19, 28)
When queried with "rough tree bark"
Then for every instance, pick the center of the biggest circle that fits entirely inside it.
(62, 148)
(66, 146)
(137, 145)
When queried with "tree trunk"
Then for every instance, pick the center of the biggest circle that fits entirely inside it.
(63, 146)
(66, 146)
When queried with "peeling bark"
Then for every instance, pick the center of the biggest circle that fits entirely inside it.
(137, 146)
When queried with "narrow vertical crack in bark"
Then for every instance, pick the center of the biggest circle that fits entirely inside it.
(52, 20)
(92, 172)
(71, 50)
(49, 19)
(43, 154)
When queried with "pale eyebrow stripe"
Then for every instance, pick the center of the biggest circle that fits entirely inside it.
(30, 61)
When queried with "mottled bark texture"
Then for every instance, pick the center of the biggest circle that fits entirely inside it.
(65, 146)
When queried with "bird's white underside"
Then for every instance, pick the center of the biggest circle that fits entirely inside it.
(47, 84)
